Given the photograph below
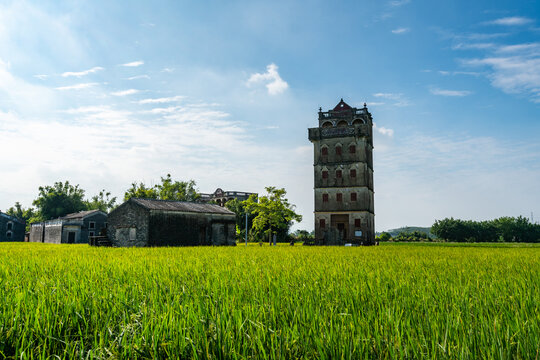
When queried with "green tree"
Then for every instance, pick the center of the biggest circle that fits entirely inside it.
(177, 190)
(384, 236)
(102, 201)
(167, 190)
(59, 200)
(273, 213)
(239, 208)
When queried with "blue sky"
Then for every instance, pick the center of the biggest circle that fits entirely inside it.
(106, 93)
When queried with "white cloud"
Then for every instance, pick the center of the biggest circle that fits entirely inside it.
(82, 73)
(475, 46)
(397, 3)
(41, 76)
(161, 100)
(125, 92)
(139, 77)
(519, 73)
(133, 63)
(399, 99)
(168, 70)
(384, 131)
(273, 82)
(442, 92)
(401, 30)
(77, 86)
(510, 21)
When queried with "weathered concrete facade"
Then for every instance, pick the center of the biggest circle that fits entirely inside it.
(144, 222)
(343, 169)
(73, 228)
(11, 228)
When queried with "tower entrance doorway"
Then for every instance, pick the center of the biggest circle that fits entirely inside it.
(341, 223)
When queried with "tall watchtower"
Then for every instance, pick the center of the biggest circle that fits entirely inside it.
(343, 165)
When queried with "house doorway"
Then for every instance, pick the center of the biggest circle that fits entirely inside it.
(71, 237)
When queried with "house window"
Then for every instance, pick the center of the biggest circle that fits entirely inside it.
(324, 151)
(353, 196)
(10, 225)
(91, 225)
(338, 150)
(357, 223)
(339, 197)
(91, 233)
(8, 234)
(322, 223)
(338, 173)
(352, 149)
(132, 234)
(325, 197)
(325, 174)
(352, 173)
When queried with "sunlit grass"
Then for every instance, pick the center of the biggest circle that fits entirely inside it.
(391, 301)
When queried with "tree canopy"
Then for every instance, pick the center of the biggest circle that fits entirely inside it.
(102, 201)
(169, 189)
(273, 213)
(59, 200)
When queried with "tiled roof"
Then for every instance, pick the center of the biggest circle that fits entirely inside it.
(184, 206)
(81, 214)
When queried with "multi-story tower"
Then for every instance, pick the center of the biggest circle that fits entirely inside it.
(343, 165)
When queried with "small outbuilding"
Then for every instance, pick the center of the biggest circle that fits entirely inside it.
(148, 222)
(11, 228)
(73, 228)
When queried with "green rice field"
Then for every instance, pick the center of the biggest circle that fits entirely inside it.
(390, 301)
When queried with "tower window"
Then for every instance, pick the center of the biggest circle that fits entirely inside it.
(322, 223)
(339, 197)
(342, 123)
(352, 149)
(325, 174)
(352, 173)
(357, 223)
(353, 196)
(338, 173)
(325, 197)
(324, 151)
(338, 150)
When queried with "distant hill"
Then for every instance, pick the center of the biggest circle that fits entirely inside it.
(409, 229)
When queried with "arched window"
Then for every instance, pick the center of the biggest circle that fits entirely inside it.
(338, 150)
(358, 122)
(322, 223)
(338, 174)
(325, 197)
(342, 123)
(357, 223)
(353, 196)
(339, 197)
(325, 174)
(324, 151)
(326, 124)
(352, 173)
(352, 149)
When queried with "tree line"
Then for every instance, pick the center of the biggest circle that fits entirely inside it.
(503, 229)
(268, 215)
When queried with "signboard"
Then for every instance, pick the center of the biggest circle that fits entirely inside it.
(358, 233)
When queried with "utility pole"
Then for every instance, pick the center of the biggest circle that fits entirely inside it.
(246, 226)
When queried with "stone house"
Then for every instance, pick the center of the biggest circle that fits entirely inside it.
(343, 173)
(220, 197)
(73, 228)
(11, 228)
(146, 222)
